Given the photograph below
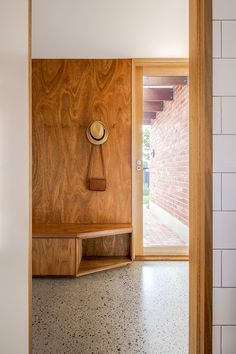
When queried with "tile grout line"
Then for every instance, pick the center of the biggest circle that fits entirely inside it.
(224, 19)
(224, 134)
(224, 249)
(224, 325)
(224, 172)
(221, 39)
(224, 287)
(221, 267)
(221, 115)
(226, 58)
(221, 191)
(227, 96)
(226, 210)
(221, 349)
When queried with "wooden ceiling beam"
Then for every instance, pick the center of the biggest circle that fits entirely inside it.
(165, 80)
(149, 115)
(147, 121)
(153, 106)
(158, 94)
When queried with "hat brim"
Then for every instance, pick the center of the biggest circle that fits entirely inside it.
(94, 140)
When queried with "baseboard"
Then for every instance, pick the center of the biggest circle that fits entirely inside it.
(161, 258)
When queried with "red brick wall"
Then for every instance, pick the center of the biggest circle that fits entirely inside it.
(169, 166)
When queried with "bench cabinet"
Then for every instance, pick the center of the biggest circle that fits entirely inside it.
(76, 250)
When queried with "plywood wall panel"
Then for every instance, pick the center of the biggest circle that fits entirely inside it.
(67, 96)
(116, 245)
(53, 256)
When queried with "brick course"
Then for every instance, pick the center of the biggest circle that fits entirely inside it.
(169, 180)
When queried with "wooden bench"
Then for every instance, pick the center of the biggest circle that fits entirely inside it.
(79, 249)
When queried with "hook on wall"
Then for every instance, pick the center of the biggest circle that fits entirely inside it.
(97, 133)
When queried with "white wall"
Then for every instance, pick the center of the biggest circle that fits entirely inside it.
(224, 177)
(110, 28)
(14, 181)
(96, 42)
(77, 32)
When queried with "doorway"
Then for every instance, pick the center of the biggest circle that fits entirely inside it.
(200, 69)
(161, 140)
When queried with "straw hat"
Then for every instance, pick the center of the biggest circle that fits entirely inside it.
(97, 133)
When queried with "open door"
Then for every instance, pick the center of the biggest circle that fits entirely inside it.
(161, 158)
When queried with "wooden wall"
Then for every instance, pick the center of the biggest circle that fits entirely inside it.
(67, 96)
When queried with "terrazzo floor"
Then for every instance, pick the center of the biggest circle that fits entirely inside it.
(141, 308)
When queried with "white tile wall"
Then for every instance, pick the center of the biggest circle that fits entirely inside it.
(224, 9)
(217, 191)
(216, 337)
(229, 191)
(228, 37)
(228, 269)
(224, 178)
(224, 309)
(229, 340)
(216, 39)
(224, 77)
(224, 153)
(228, 115)
(217, 268)
(224, 230)
(216, 115)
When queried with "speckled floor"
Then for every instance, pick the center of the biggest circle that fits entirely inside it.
(142, 308)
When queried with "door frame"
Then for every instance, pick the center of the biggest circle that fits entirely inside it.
(141, 68)
(200, 173)
(200, 252)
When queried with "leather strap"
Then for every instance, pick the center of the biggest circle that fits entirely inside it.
(90, 161)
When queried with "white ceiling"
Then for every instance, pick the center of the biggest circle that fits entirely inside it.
(110, 28)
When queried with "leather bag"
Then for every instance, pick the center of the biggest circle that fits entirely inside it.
(96, 183)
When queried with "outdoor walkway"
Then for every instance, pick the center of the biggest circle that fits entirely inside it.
(156, 233)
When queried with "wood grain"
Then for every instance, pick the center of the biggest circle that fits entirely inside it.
(67, 96)
(137, 182)
(116, 245)
(30, 177)
(54, 256)
(79, 254)
(93, 265)
(80, 230)
(101, 240)
(200, 213)
(163, 67)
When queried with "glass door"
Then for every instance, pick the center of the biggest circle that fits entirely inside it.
(165, 163)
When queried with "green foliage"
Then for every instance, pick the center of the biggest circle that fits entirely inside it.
(145, 189)
(146, 200)
(146, 144)
(146, 159)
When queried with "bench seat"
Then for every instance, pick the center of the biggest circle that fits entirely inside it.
(80, 249)
(80, 230)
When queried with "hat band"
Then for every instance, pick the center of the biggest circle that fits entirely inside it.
(99, 138)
